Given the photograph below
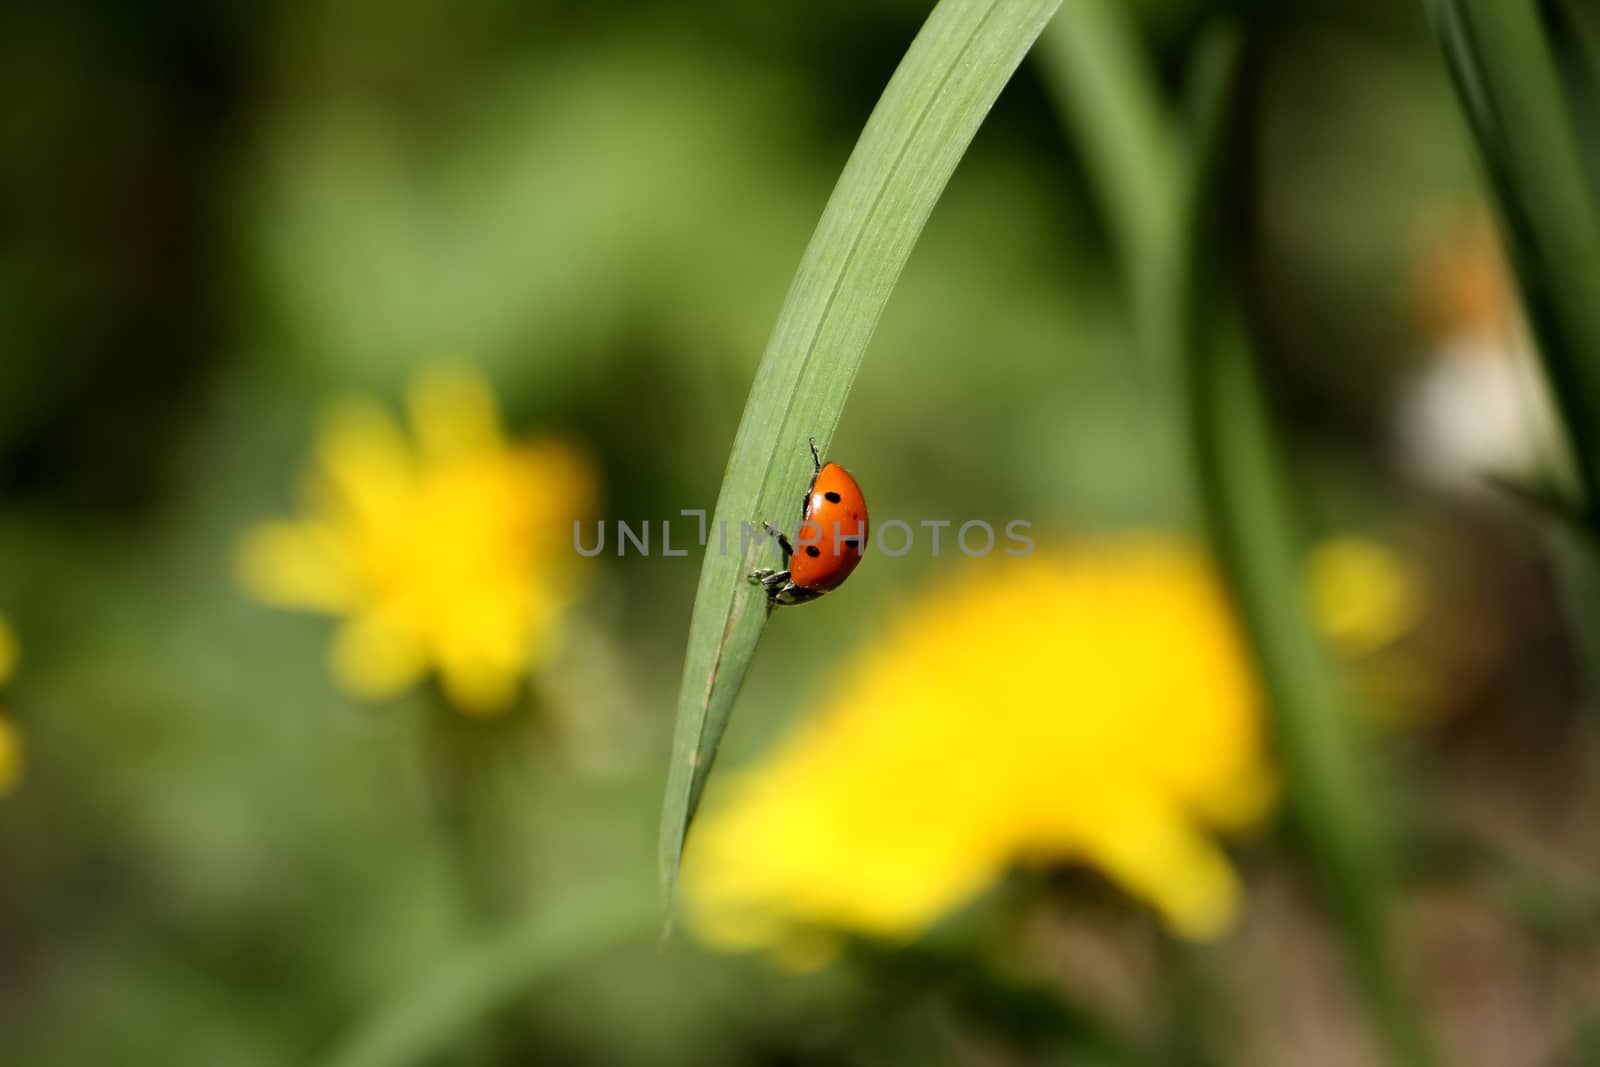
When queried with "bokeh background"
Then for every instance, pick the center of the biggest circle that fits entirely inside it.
(220, 221)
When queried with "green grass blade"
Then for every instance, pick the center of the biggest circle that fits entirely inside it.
(1105, 87)
(1575, 39)
(928, 114)
(1109, 97)
(446, 1001)
(1250, 511)
(1511, 87)
(1528, 91)
(1327, 791)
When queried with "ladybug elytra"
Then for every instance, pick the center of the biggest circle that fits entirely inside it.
(833, 533)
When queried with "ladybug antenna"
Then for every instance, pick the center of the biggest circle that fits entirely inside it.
(814, 457)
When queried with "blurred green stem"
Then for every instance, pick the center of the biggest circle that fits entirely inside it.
(1527, 88)
(1101, 82)
(1576, 555)
(1196, 336)
(1253, 529)
(461, 753)
(431, 1014)
(1250, 513)
(1507, 75)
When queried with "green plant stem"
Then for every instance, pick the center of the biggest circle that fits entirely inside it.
(1576, 555)
(1526, 101)
(1198, 337)
(1574, 40)
(933, 105)
(1509, 81)
(1250, 513)
(1104, 88)
(1253, 529)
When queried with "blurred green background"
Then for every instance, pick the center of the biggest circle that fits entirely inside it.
(219, 219)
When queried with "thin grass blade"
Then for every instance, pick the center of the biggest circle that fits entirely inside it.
(1526, 84)
(928, 114)
(1250, 512)
(1106, 89)
(1510, 82)
(1110, 99)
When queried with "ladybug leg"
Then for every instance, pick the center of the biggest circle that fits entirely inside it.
(773, 582)
(793, 594)
(780, 588)
(815, 459)
(783, 541)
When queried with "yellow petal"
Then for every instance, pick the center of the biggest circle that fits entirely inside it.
(1238, 800)
(10, 651)
(365, 466)
(795, 850)
(806, 951)
(374, 659)
(453, 413)
(479, 688)
(1363, 595)
(564, 485)
(10, 755)
(294, 565)
(1157, 855)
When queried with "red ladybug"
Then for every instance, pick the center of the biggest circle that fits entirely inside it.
(833, 531)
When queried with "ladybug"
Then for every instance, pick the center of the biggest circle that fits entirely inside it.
(833, 532)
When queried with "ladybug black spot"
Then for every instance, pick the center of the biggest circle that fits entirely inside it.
(813, 551)
(832, 498)
(852, 542)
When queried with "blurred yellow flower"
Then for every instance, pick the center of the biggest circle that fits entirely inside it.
(1368, 600)
(1362, 594)
(1093, 705)
(10, 651)
(450, 552)
(10, 737)
(10, 755)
